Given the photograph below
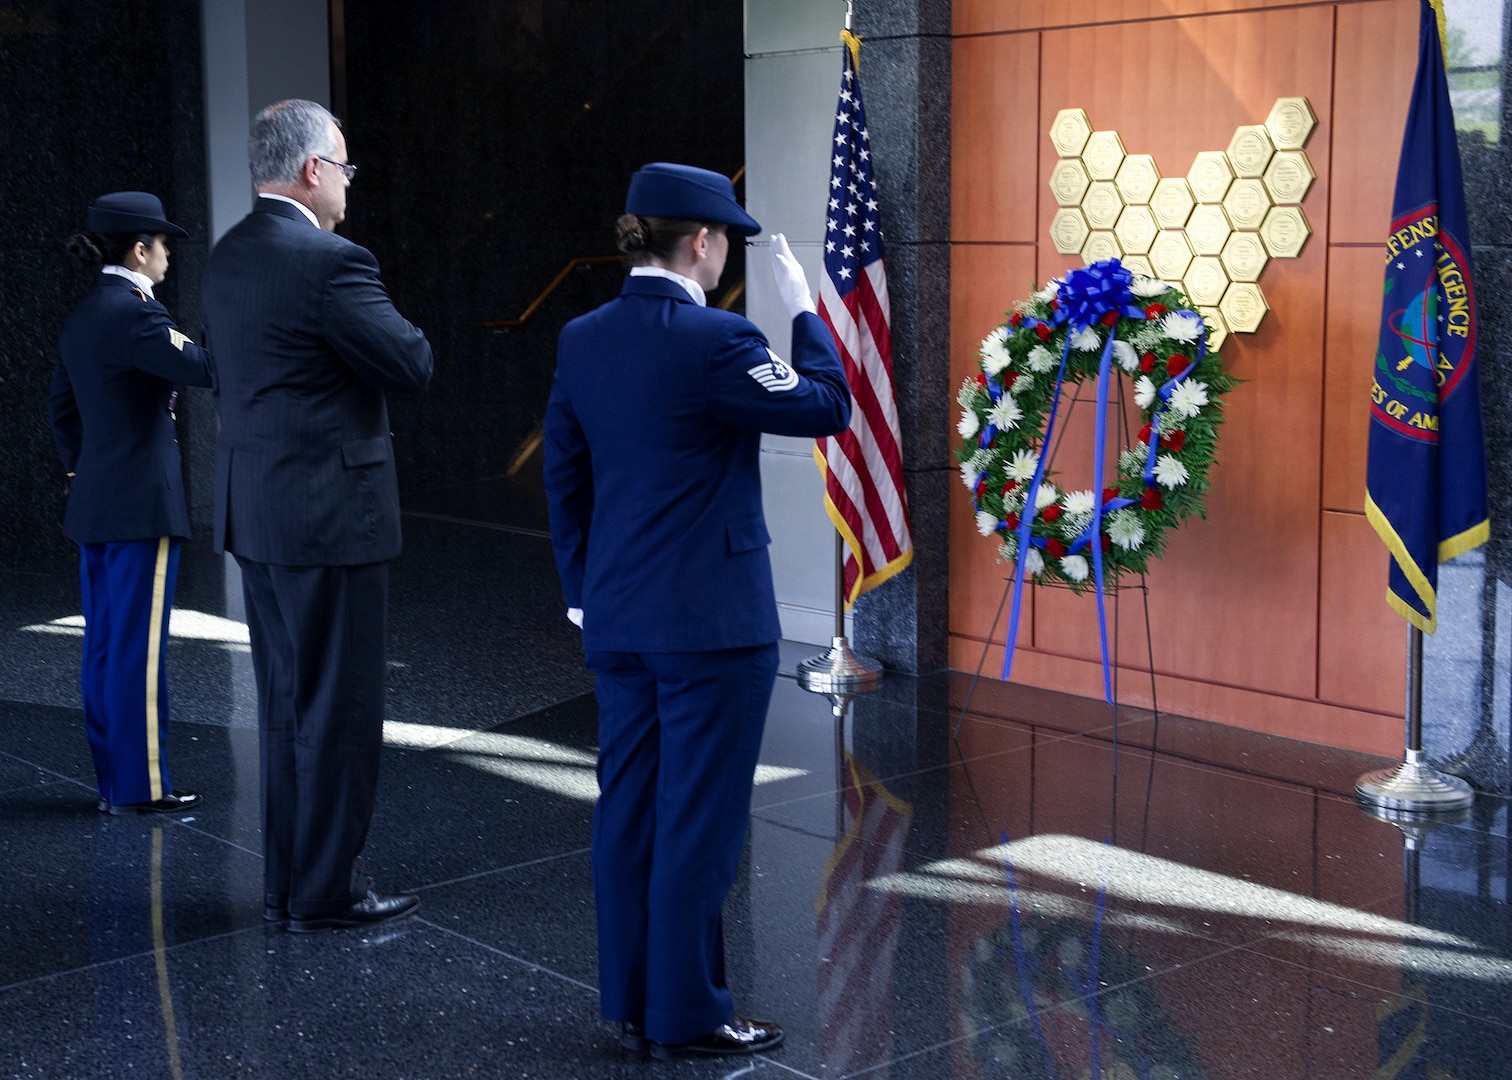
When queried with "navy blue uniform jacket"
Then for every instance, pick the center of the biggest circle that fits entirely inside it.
(305, 342)
(119, 357)
(653, 477)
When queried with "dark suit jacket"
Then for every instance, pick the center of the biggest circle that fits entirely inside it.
(653, 476)
(306, 341)
(119, 357)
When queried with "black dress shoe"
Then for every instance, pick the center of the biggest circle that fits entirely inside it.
(170, 803)
(369, 911)
(738, 1036)
(632, 1037)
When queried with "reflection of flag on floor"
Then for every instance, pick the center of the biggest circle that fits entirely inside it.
(858, 926)
(1425, 487)
(863, 465)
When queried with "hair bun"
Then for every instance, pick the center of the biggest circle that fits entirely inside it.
(631, 234)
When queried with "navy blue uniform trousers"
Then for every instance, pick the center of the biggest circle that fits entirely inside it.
(318, 656)
(679, 737)
(127, 591)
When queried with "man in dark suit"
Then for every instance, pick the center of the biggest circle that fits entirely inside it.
(306, 498)
(653, 481)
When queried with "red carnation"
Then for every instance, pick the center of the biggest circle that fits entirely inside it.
(1012, 521)
(1174, 441)
(981, 378)
(1155, 311)
(1055, 305)
(981, 488)
(1010, 487)
(1015, 320)
(1109, 318)
(1144, 433)
(1151, 499)
(1147, 363)
(1050, 513)
(1043, 331)
(1177, 364)
(1109, 494)
(1107, 542)
(1054, 548)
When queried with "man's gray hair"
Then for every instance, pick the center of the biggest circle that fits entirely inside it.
(284, 136)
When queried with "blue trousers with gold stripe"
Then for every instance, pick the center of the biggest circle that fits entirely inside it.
(127, 588)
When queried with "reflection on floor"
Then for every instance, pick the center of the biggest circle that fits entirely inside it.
(1035, 898)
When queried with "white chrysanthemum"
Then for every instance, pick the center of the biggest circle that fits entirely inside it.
(968, 475)
(1008, 550)
(1086, 340)
(1006, 413)
(1074, 567)
(1034, 562)
(1188, 398)
(1184, 326)
(1147, 287)
(1132, 462)
(1041, 359)
(1125, 356)
(995, 351)
(1125, 529)
(1023, 465)
(1023, 384)
(986, 522)
(1080, 502)
(1049, 292)
(1144, 392)
(969, 424)
(1046, 495)
(1170, 472)
(967, 393)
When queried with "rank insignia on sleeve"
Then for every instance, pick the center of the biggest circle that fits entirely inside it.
(775, 375)
(179, 340)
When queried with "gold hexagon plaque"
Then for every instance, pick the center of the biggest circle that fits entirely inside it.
(1205, 281)
(1210, 176)
(1250, 150)
(1102, 204)
(1288, 176)
(1136, 229)
(1138, 264)
(1172, 202)
(1069, 181)
(1290, 123)
(1069, 230)
(1246, 203)
(1243, 306)
(1217, 328)
(1208, 229)
(1170, 255)
(1136, 179)
(1284, 231)
(1244, 256)
(1101, 245)
(1069, 132)
(1103, 154)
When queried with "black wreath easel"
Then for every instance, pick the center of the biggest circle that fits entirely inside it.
(1116, 588)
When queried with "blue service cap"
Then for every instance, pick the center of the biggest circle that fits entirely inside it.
(129, 212)
(665, 190)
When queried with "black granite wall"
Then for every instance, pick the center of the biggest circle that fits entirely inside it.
(94, 97)
(495, 141)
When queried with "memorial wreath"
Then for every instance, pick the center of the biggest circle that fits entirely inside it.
(1085, 325)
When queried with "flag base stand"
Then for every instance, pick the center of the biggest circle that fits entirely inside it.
(838, 670)
(1414, 786)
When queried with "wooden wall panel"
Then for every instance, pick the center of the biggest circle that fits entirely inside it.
(1362, 643)
(997, 16)
(1355, 276)
(995, 184)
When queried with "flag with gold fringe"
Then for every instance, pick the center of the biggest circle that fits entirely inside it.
(1425, 487)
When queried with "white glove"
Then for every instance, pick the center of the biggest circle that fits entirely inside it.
(792, 286)
(575, 616)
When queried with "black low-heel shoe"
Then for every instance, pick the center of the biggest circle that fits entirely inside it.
(170, 803)
(632, 1037)
(738, 1036)
(372, 909)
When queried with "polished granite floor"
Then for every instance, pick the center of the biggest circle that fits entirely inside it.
(1035, 898)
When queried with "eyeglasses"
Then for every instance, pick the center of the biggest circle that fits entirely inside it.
(348, 170)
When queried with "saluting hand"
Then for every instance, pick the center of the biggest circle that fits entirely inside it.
(792, 286)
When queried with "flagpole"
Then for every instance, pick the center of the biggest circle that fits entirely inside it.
(838, 669)
(1414, 786)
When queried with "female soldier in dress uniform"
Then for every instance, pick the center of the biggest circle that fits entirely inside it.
(653, 435)
(119, 357)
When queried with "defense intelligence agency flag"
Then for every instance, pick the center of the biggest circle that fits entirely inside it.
(1425, 485)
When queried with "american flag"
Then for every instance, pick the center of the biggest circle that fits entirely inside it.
(862, 466)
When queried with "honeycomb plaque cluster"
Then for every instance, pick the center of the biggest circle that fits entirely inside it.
(1212, 230)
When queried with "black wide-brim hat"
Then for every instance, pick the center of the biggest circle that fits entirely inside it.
(129, 212)
(665, 190)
